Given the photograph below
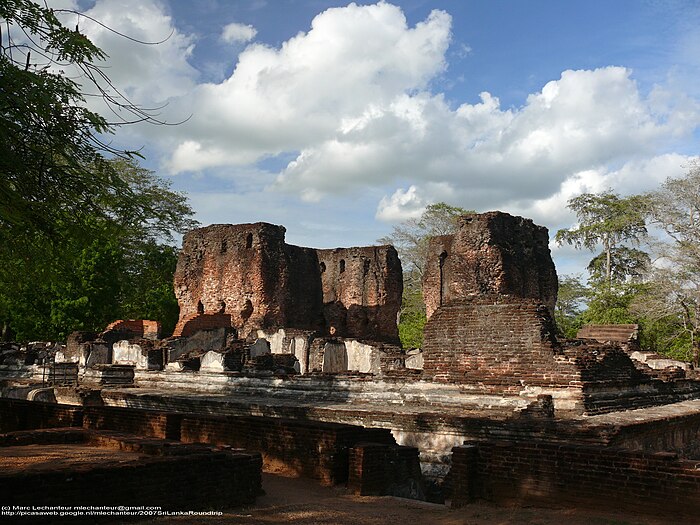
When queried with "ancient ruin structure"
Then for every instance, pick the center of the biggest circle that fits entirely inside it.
(300, 347)
(491, 253)
(245, 276)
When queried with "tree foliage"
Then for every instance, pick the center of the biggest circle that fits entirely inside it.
(663, 297)
(80, 233)
(115, 267)
(611, 221)
(674, 292)
(410, 238)
(571, 300)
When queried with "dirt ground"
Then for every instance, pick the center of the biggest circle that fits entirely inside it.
(301, 501)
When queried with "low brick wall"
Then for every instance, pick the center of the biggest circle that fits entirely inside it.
(554, 473)
(18, 414)
(309, 448)
(141, 422)
(380, 470)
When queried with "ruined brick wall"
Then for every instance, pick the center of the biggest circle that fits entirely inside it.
(385, 470)
(362, 290)
(496, 343)
(544, 472)
(248, 272)
(621, 333)
(138, 327)
(18, 414)
(309, 448)
(505, 345)
(491, 252)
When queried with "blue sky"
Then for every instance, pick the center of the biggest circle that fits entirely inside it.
(339, 120)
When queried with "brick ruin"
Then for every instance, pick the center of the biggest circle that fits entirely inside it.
(490, 254)
(291, 340)
(252, 280)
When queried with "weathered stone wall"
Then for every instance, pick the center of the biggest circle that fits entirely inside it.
(362, 290)
(249, 273)
(491, 252)
(600, 477)
(496, 343)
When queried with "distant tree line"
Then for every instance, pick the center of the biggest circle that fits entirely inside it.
(638, 277)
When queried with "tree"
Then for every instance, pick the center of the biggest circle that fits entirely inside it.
(116, 267)
(410, 238)
(611, 221)
(51, 146)
(674, 290)
(571, 297)
(80, 234)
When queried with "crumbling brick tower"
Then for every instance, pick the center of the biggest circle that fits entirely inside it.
(491, 253)
(489, 291)
(245, 276)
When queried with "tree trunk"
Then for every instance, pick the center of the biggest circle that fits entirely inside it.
(608, 270)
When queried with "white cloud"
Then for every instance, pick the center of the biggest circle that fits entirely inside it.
(298, 96)
(401, 205)
(147, 74)
(235, 32)
(353, 96)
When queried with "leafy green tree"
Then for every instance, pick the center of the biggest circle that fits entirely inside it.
(80, 235)
(572, 297)
(673, 295)
(410, 238)
(613, 222)
(117, 267)
(51, 147)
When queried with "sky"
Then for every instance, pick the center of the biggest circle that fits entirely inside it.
(340, 120)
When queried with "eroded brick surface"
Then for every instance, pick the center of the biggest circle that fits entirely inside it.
(249, 273)
(491, 253)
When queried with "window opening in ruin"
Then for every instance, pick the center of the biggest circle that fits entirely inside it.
(342, 265)
(365, 267)
(322, 266)
(224, 246)
(443, 256)
(247, 310)
(249, 241)
(200, 308)
(222, 307)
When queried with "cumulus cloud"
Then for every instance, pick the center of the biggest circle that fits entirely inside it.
(352, 101)
(353, 97)
(352, 61)
(235, 32)
(147, 74)
(401, 205)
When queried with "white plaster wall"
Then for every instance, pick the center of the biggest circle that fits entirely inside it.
(125, 353)
(301, 352)
(335, 357)
(276, 340)
(362, 357)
